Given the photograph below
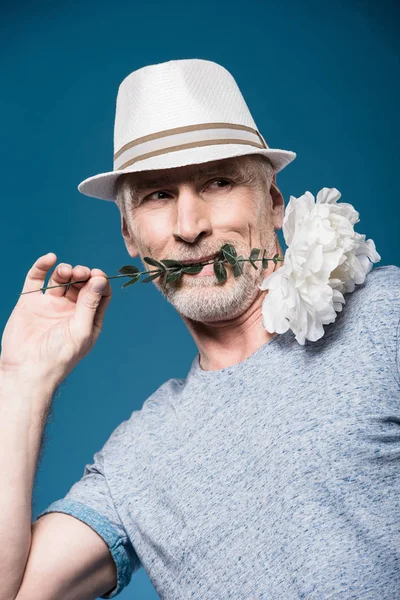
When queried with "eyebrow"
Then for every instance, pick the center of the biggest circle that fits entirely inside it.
(164, 180)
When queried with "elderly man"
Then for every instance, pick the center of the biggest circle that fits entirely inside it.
(272, 470)
(201, 207)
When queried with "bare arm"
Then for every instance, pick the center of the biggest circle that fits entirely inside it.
(23, 412)
(58, 556)
(68, 561)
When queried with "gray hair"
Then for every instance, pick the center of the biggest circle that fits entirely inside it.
(253, 169)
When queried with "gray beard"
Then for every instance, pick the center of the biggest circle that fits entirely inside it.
(203, 299)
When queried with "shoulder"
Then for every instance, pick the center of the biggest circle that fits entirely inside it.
(381, 280)
(144, 420)
(373, 309)
(160, 398)
(379, 295)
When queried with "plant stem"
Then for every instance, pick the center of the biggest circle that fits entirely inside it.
(143, 273)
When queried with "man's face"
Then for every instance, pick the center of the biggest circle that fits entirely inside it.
(188, 214)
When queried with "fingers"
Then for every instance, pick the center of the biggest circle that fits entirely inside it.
(37, 274)
(104, 302)
(61, 274)
(78, 273)
(91, 305)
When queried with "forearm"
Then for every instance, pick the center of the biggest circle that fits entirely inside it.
(24, 405)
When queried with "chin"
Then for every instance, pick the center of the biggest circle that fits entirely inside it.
(212, 301)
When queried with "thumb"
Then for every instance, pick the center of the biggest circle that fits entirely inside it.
(99, 284)
(87, 303)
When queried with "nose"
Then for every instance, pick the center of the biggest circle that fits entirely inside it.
(192, 219)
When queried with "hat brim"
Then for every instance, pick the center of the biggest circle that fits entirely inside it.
(102, 186)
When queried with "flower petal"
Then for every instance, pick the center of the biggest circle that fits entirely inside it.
(325, 259)
(328, 195)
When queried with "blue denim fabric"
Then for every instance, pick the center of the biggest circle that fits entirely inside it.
(100, 523)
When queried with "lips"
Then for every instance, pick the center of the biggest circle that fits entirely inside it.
(197, 260)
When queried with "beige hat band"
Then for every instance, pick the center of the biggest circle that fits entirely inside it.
(180, 138)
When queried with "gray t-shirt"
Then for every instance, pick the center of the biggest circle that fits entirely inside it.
(277, 478)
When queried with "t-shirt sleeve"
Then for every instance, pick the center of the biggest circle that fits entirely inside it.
(90, 501)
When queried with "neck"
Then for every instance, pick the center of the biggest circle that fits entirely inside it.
(225, 343)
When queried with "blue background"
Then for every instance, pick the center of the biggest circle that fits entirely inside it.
(320, 79)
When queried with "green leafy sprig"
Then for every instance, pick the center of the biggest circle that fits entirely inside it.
(175, 269)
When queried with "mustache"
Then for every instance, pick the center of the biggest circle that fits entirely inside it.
(206, 252)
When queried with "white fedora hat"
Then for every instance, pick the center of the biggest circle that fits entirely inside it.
(176, 113)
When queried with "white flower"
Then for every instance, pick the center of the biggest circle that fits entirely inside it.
(325, 258)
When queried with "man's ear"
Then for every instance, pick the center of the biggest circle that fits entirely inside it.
(128, 238)
(278, 205)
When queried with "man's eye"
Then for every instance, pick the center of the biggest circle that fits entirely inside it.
(153, 194)
(219, 180)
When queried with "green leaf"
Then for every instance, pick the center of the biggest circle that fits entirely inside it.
(221, 255)
(128, 270)
(192, 269)
(151, 277)
(238, 269)
(275, 257)
(173, 276)
(229, 253)
(171, 263)
(264, 261)
(253, 255)
(154, 262)
(131, 281)
(220, 272)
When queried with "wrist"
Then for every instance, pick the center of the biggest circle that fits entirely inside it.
(27, 378)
